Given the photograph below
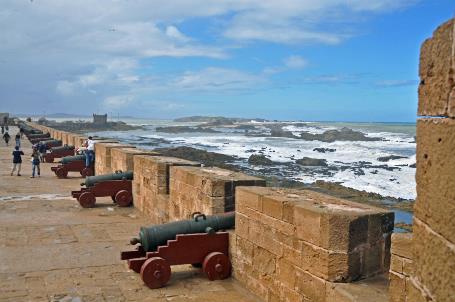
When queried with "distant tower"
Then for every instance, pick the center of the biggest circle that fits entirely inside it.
(100, 119)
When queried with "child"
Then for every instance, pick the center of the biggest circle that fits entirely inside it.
(35, 162)
(42, 148)
(17, 161)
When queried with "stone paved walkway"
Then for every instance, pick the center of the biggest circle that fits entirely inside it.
(51, 249)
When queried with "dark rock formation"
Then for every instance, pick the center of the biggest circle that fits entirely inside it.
(344, 134)
(259, 160)
(185, 129)
(324, 150)
(390, 157)
(308, 161)
(198, 155)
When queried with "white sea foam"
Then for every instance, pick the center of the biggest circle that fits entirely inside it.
(399, 183)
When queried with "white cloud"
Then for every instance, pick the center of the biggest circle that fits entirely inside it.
(295, 62)
(117, 101)
(219, 79)
(65, 88)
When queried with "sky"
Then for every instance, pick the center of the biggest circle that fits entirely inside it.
(314, 60)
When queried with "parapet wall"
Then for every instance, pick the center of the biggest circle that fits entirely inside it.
(294, 245)
(433, 242)
(401, 268)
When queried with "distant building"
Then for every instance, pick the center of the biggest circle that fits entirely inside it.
(4, 117)
(100, 119)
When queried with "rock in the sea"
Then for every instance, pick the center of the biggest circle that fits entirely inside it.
(308, 161)
(390, 157)
(324, 150)
(259, 160)
(185, 129)
(344, 134)
(412, 166)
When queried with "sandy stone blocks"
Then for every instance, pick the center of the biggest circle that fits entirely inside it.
(437, 73)
(206, 190)
(434, 262)
(151, 185)
(296, 243)
(103, 156)
(122, 158)
(401, 267)
(435, 175)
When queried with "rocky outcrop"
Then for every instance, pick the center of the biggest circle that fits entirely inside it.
(324, 150)
(259, 160)
(185, 129)
(308, 161)
(344, 134)
(390, 157)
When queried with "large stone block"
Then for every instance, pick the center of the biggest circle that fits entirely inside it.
(402, 245)
(103, 156)
(435, 204)
(206, 190)
(434, 262)
(437, 73)
(151, 184)
(122, 158)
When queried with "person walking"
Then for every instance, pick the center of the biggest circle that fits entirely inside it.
(18, 140)
(35, 162)
(6, 137)
(89, 152)
(3, 129)
(17, 161)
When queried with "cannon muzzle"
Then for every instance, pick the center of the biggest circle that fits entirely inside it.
(153, 236)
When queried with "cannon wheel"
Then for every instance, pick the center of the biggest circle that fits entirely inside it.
(155, 272)
(123, 198)
(216, 266)
(87, 200)
(61, 173)
(113, 198)
(87, 172)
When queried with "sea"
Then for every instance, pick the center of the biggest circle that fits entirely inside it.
(353, 164)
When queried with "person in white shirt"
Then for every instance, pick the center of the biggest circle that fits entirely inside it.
(89, 152)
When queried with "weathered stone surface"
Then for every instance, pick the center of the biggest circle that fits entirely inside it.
(296, 243)
(402, 245)
(434, 262)
(368, 290)
(436, 71)
(206, 190)
(151, 185)
(435, 175)
(122, 158)
(103, 156)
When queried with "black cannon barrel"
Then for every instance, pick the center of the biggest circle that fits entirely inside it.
(39, 135)
(92, 180)
(68, 159)
(153, 236)
(52, 142)
(62, 148)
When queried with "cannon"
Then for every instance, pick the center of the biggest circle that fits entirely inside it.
(117, 185)
(74, 163)
(201, 240)
(59, 152)
(34, 138)
(51, 143)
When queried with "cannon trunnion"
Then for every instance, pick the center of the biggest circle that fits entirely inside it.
(117, 185)
(74, 163)
(197, 241)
